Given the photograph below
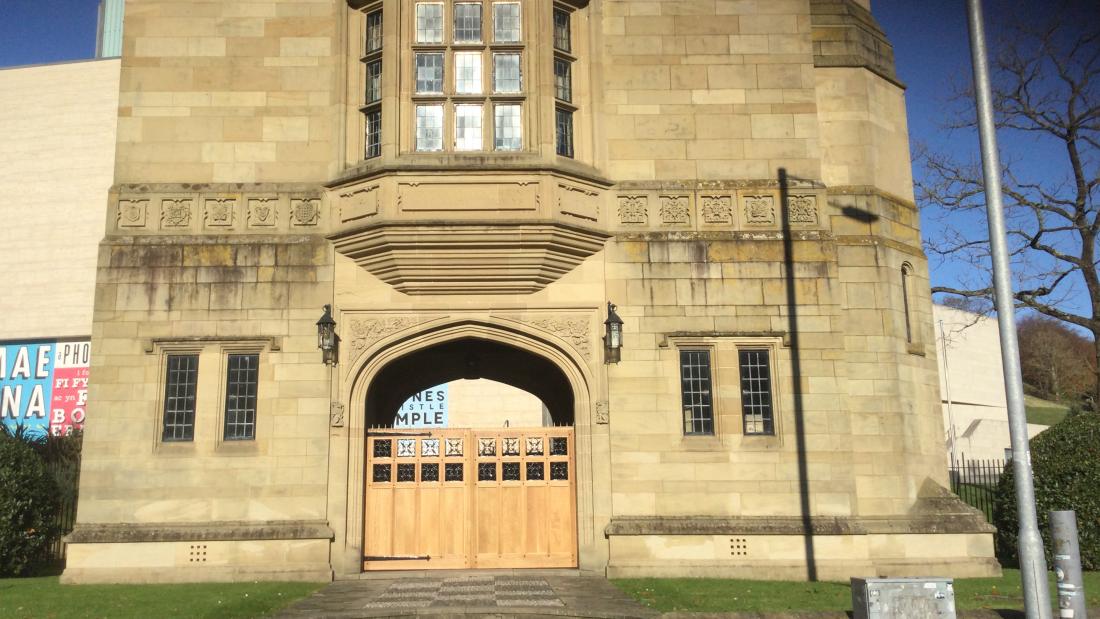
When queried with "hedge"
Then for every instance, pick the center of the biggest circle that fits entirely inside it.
(1066, 462)
(28, 507)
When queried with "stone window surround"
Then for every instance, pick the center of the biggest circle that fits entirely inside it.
(726, 405)
(213, 355)
(910, 300)
(397, 106)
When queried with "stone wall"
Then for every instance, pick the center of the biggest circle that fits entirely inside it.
(229, 92)
(736, 196)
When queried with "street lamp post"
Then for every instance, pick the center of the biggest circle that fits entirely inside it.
(1033, 569)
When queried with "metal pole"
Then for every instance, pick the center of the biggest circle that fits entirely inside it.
(1033, 568)
(1067, 565)
(947, 393)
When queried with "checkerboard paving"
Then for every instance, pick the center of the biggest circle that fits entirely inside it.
(470, 591)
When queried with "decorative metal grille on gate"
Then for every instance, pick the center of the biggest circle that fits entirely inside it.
(446, 499)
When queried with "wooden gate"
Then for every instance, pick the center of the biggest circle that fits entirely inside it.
(450, 499)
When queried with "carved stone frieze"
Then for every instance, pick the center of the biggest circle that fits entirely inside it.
(603, 416)
(367, 331)
(336, 415)
(305, 211)
(263, 212)
(175, 213)
(633, 210)
(219, 212)
(359, 203)
(578, 202)
(802, 209)
(760, 210)
(132, 213)
(572, 329)
(717, 209)
(675, 210)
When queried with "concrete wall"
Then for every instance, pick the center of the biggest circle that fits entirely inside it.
(56, 165)
(974, 381)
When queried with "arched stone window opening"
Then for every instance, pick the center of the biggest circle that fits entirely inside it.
(906, 302)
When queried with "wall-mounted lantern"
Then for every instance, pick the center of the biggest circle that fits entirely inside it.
(326, 337)
(613, 335)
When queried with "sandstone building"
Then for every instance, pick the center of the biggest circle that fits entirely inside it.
(468, 184)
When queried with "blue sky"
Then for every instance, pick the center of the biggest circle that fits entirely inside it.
(929, 38)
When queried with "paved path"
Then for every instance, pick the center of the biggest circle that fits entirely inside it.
(516, 595)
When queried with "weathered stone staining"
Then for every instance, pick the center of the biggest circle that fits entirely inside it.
(243, 204)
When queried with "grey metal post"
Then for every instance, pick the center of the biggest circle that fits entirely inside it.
(1033, 569)
(1067, 565)
(947, 394)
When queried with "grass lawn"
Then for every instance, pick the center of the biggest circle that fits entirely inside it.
(717, 595)
(38, 598)
(1044, 412)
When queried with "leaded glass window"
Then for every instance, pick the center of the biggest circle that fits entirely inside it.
(374, 31)
(429, 127)
(180, 385)
(429, 73)
(468, 129)
(468, 73)
(241, 383)
(374, 133)
(695, 392)
(467, 16)
(506, 22)
(756, 391)
(507, 130)
(507, 74)
(564, 130)
(563, 80)
(374, 81)
(429, 22)
(563, 37)
(480, 43)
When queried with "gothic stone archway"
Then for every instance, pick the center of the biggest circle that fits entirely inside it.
(502, 352)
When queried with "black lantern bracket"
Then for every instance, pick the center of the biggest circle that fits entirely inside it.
(327, 340)
(613, 335)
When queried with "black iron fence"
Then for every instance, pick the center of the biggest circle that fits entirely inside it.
(67, 475)
(975, 481)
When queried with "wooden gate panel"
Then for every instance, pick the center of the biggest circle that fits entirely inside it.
(446, 499)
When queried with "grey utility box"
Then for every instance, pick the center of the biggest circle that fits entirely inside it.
(903, 598)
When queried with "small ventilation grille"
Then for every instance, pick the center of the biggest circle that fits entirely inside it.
(198, 553)
(739, 547)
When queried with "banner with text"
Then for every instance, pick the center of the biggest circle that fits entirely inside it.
(44, 385)
(427, 409)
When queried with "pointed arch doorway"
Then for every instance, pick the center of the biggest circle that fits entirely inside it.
(476, 496)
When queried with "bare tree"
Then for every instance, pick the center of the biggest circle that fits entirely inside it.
(1047, 86)
(1056, 360)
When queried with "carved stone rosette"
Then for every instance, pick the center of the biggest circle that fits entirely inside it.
(802, 210)
(717, 210)
(633, 210)
(675, 210)
(220, 212)
(760, 210)
(305, 212)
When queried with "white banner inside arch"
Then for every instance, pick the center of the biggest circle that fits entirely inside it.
(427, 409)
